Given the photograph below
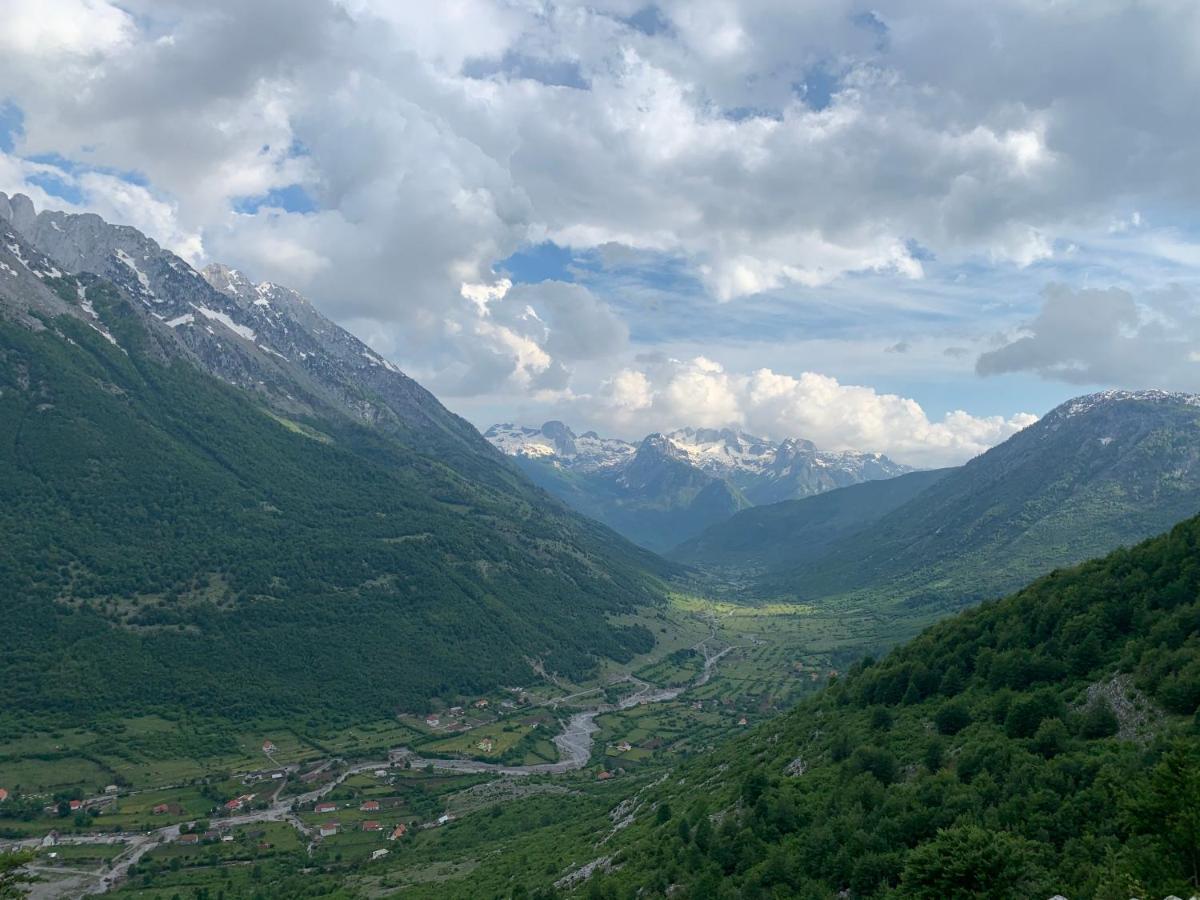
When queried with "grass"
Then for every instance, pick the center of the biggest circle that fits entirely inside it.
(503, 736)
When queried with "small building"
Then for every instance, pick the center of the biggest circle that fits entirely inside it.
(268, 746)
(481, 704)
(3, 795)
(369, 806)
(276, 776)
(234, 805)
(111, 789)
(380, 773)
(190, 838)
(742, 721)
(624, 747)
(444, 818)
(378, 854)
(604, 776)
(371, 825)
(211, 837)
(325, 807)
(432, 721)
(456, 712)
(160, 810)
(328, 828)
(75, 805)
(227, 838)
(486, 745)
(398, 832)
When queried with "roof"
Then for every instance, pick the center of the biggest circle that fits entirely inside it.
(370, 826)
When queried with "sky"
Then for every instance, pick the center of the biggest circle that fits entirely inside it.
(909, 227)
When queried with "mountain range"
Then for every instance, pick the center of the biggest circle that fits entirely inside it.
(215, 496)
(221, 505)
(669, 487)
(1095, 473)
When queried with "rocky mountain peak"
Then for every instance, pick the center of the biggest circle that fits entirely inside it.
(18, 210)
(1101, 400)
(658, 445)
(562, 436)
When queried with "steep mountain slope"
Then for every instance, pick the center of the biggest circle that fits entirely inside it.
(172, 538)
(1041, 745)
(798, 531)
(1095, 473)
(768, 472)
(263, 338)
(670, 487)
(653, 496)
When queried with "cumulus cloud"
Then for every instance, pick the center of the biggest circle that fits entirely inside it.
(755, 147)
(700, 392)
(1106, 336)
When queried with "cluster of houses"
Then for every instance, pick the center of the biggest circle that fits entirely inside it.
(332, 827)
(211, 836)
(433, 720)
(239, 802)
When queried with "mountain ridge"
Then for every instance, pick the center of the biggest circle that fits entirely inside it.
(193, 515)
(613, 480)
(1095, 473)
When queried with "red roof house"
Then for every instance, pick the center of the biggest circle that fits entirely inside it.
(369, 805)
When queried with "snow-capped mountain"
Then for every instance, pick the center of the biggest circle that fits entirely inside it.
(668, 487)
(769, 471)
(260, 337)
(555, 442)
(764, 471)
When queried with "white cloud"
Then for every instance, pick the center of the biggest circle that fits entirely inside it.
(699, 392)
(61, 28)
(757, 147)
(1106, 336)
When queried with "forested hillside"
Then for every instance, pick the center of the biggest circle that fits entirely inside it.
(1042, 744)
(171, 541)
(796, 531)
(1096, 473)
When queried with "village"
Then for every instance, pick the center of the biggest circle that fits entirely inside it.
(367, 793)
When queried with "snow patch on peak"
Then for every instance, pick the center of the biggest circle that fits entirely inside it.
(223, 318)
(129, 262)
(1085, 404)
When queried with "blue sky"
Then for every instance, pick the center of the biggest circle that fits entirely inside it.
(886, 226)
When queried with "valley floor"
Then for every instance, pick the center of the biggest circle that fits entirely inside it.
(476, 789)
